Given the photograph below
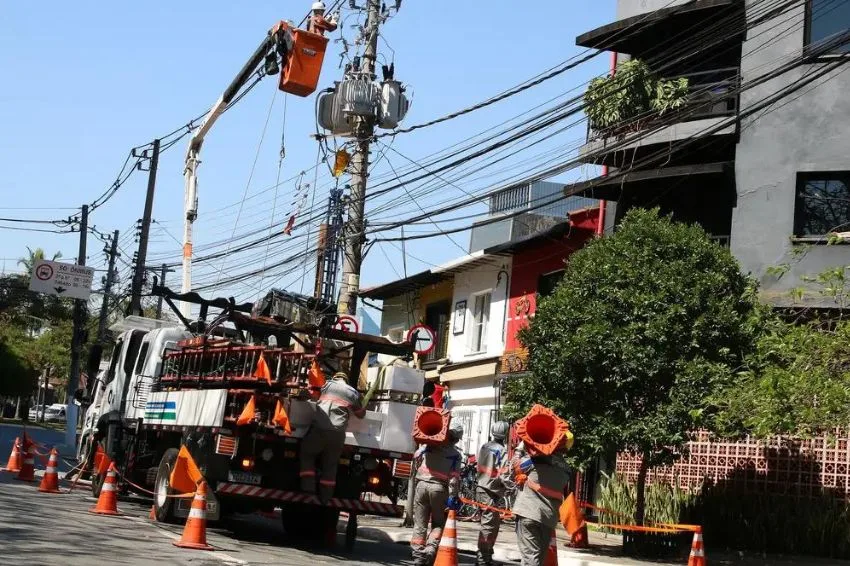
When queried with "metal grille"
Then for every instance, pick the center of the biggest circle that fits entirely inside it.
(142, 390)
(465, 417)
(226, 445)
(801, 468)
(510, 199)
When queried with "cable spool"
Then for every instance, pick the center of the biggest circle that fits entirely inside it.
(543, 431)
(431, 425)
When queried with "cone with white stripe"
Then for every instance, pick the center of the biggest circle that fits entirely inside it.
(697, 557)
(447, 551)
(552, 551)
(27, 471)
(50, 481)
(14, 463)
(195, 531)
(107, 503)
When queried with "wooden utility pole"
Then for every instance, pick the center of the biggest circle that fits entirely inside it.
(355, 228)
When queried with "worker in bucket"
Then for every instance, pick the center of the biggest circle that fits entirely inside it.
(326, 437)
(437, 486)
(318, 23)
(542, 480)
(493, 472)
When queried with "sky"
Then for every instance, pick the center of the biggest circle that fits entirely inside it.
(86, 81)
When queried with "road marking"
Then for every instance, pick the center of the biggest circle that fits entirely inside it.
(215, 555)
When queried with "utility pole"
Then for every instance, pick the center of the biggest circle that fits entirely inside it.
(355, 233)
(162, 271)
(107, 290)
(139, 275)
(78, 338)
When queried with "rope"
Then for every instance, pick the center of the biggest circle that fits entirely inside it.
(505, 513)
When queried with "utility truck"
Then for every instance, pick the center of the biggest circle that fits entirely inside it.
(206, 396)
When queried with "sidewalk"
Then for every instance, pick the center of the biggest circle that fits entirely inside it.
(606, 550)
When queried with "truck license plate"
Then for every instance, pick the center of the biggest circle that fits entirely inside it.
(244, 477)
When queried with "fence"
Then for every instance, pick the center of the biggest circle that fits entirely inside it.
(802, 468)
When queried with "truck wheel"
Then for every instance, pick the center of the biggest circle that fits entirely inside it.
(164, 505)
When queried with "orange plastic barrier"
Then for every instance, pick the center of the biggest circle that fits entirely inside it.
(542, 430)
(300, 74)
(431, 425)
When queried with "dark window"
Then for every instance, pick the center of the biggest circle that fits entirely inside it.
(827, 21)
(823, 203)
(546, 283)
(113, 363)
(437, 316)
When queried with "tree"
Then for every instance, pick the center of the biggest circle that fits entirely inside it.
(34, 256)
(18, 376)
(645, 328)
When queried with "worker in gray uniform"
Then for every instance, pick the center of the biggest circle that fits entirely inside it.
(437, 486)
(543, 480)
(326, 437)
(492, 467)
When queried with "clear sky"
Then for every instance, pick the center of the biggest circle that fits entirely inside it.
(85, 81)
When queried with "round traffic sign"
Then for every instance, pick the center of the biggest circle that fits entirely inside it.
(44, 272)
(422, 338)
(347, 323)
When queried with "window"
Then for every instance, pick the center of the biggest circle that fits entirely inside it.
(143, 353)
(823, 203)
(480, 319)
(826, 21)
(113, 363)
(546, 283)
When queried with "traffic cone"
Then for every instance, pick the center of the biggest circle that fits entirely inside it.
(107, 503)
(152, 515)
(195, 531)
(14, 463)
(579, 538)
(281, 419)
(697, 557)
(50, 481)
(447, 551)
(552, 551)
(262, 370)
(248, 412)
(27, 471)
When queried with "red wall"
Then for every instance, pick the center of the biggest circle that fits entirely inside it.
(531, 263)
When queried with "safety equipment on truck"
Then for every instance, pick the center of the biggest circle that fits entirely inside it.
(262, 370)
(248, 413)
(281, 418)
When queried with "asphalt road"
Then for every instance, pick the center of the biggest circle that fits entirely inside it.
(47, 529)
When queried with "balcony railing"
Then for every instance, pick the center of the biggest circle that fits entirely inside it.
(441, 349)
(712, 93)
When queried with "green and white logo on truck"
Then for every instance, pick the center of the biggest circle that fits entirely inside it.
(161, 410)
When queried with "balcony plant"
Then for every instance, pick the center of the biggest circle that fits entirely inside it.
(632, 95)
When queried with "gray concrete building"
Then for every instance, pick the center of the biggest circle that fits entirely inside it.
(759, 153)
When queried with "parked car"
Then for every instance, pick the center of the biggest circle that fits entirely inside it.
(55, 414)
(35, 412)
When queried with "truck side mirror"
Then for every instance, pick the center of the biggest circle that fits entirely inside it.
(93, 363)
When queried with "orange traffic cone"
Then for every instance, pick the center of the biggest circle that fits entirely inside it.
(552, 551)
(248, 412)
(27, 471)
(574, 523)
(262, 370)
(50, 481)
(14, 463)
(195, 531)
(697, 557)
(107, 503)
(281, 419)
(152, 515)
(447, 551)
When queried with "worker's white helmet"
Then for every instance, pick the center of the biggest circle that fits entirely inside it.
(318, 6)
(499, 430)
(456, 430)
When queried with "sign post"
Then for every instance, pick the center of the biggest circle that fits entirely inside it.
(422, 338)
(62, 279)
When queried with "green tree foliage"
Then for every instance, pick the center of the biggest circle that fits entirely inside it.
(796, 382)
(647, 326)
(17, 376)
(632, 92)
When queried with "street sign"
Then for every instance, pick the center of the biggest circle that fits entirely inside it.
(62, 279)
(347, 323)
(423, 339)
